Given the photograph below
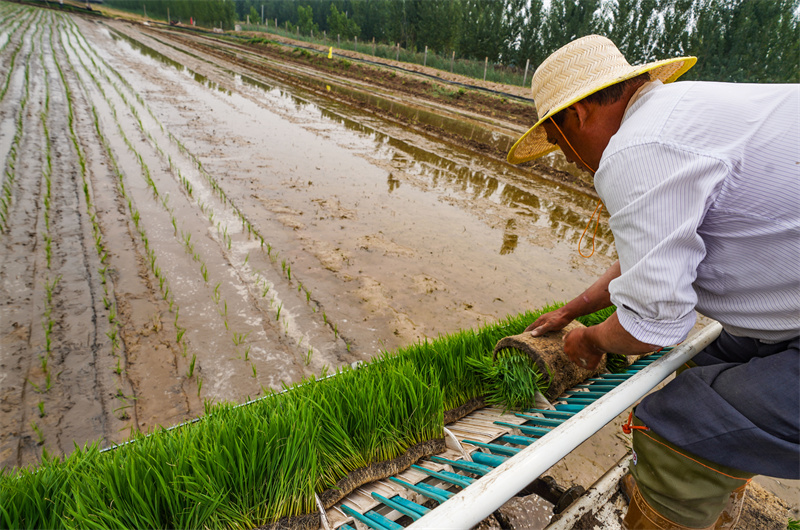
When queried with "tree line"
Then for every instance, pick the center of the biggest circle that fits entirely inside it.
(735, 40)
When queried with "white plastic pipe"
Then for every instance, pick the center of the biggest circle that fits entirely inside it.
(484, 496)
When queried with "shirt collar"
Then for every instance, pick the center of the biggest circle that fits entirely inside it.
(641, 91)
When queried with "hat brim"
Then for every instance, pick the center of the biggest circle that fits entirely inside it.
(533, 144)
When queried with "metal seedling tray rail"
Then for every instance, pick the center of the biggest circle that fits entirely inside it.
(500, 453)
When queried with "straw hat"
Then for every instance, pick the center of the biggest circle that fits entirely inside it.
(582, 67)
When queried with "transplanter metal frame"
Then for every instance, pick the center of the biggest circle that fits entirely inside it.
(502, 469)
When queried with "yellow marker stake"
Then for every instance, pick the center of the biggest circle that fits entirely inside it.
(330, 52)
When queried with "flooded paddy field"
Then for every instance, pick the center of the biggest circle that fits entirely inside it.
(178, 228)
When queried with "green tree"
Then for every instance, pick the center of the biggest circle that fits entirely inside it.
(634, 24)
(484, 29)
(305, 20)
(340, 24)
(436, 24)
(525, 26)
(372, 16)
(254, 16)
(677, 17)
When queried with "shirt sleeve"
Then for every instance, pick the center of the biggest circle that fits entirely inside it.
(657, 196)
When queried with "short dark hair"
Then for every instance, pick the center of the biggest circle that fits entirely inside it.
(608, 95)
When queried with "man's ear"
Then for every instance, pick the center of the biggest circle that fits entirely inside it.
(581, 112)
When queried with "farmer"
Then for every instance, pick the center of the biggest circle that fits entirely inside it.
(702, 184)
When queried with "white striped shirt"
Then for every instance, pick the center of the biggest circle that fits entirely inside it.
(702, 185)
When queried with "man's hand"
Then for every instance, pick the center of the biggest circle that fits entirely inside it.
(581, 348)
(586, 346)
(552, 321)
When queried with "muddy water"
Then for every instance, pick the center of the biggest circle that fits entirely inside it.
(252, 234)
(413, 236)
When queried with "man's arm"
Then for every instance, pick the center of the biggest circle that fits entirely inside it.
(592, 299)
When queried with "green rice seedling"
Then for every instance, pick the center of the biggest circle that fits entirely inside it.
(187, 241)
(39, 433)
(199, 385)
(118, 368)
(179, 333)
(204, 272)
(247, 353)
(239, 338)
(308, 356)
(112, 336)
(106, 303)
(254, 370)
(289, 272)
(246, 258)
(278, 315)
(190, 373)
(616, 363)
(35, 387)
(42, 413)
(216, 295)
(50, 287)
(511, 380)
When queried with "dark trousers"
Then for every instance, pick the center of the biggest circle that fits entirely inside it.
(740, 407)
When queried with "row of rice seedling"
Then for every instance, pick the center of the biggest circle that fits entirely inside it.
(51, 282)
(244, 466)
(109, 300)
(16, 51)
(239, 466)
(163, 281)
(10, 172)
(207, 209)
(90, 209)
(11, 28)
(215, 186)
(163, 199)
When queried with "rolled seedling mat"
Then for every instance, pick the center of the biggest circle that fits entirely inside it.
(547, 351)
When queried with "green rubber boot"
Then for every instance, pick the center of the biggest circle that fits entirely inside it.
(681, 487)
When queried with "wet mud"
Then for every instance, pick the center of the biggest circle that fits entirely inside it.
(203, 230)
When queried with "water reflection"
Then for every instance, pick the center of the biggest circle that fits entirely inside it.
(392, 182)
(510, 239)
(153, 54)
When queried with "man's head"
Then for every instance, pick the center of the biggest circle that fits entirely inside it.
(584, 67)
